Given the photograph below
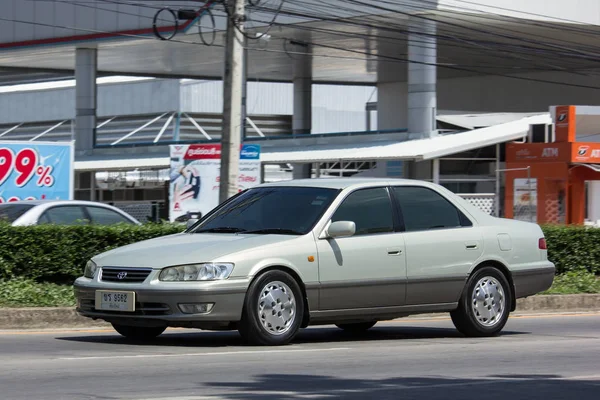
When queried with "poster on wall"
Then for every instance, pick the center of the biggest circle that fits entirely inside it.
(525, 199)
(195, 173)
(36, 171)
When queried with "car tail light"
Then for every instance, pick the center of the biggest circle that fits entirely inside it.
(542, 244)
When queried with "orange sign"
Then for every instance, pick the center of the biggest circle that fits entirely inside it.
(540, 152)
(585, 153)
(565, 124)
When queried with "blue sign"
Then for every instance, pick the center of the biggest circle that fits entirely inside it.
(36, 171)
(250, 152)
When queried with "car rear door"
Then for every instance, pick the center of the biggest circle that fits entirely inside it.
(368, 269)
(442, 244)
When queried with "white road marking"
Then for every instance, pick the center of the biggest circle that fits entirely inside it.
(221, 353)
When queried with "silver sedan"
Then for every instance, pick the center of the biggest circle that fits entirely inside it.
(281, 256)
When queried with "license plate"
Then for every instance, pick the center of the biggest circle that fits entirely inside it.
(115, 300)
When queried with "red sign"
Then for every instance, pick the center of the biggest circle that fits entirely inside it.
(203, 152)
(565, 124)
(540, 152)
(585, 153)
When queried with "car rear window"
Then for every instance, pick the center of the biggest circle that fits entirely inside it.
(11, 212)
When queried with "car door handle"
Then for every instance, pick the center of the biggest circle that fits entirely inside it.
(471, 246)
(394, 252)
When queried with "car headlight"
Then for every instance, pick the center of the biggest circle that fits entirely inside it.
(90, 269)
(197, 272)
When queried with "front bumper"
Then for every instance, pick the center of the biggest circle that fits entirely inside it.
(157, 303)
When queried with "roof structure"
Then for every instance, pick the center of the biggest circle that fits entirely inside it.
(422, 149)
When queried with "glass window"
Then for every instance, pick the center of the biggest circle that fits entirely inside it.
(11, 212)
(66, 215)
(286, 210)
(369, 209)
(104, 216)
(423, 209)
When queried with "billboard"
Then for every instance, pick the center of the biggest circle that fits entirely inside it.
(195, 174)
(36, 171)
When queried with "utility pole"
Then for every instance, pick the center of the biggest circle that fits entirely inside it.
(232, 101)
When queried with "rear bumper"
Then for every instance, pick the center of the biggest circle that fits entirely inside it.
(533, 281)
(160, 307)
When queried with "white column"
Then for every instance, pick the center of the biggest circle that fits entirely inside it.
(86, 65)
(436, 171)
(422, 55)
(302, 118)
(594, 201)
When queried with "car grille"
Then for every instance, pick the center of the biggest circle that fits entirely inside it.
(125, 275)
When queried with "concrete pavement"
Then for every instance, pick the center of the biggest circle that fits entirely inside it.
(538, 357)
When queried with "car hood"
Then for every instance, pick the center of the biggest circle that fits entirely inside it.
(184, 248)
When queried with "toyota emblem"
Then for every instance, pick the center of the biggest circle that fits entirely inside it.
(122, 275)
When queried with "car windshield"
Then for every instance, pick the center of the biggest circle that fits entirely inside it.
(270, 210)
(11, 212)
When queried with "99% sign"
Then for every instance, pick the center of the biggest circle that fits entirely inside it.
(25, 164)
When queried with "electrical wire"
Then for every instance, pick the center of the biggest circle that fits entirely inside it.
(330, 47)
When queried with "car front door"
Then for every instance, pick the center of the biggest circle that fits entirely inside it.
(367, 269)
(442, 244)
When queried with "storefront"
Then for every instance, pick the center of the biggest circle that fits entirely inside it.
(555, 181)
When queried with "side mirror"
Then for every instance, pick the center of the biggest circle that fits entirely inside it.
(190, 222)
(341, 229)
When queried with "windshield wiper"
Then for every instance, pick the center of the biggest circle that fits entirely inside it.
(280, 231)
(221, 229)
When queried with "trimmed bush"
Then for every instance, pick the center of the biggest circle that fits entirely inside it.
(58, 254)
(573, 248)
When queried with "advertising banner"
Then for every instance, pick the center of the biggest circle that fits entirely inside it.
(36, 171)
(195, 174)
(525, 200)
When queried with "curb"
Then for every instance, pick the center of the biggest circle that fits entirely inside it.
(66, 317)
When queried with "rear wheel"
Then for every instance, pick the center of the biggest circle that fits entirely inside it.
(273, 310)
(139, 332)
(357, 327)
(484, 306)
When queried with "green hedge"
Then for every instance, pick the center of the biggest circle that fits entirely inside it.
(574, 248)
(58, 254)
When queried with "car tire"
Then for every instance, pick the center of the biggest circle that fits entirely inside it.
(357, 327)
(484, 306)
(276, 322)
(139, 332)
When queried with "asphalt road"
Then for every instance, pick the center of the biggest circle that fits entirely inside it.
(537, 357)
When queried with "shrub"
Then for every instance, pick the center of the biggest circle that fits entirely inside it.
(572, 248)
(19, 292)
(58, 254)
(574, 282)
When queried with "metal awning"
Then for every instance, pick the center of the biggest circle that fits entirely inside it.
(595, 167)
(421, 149)
(122, 164)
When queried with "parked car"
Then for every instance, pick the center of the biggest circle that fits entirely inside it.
(282, 256)
(63, 212)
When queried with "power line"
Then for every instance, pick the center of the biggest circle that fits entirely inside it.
(385, 58)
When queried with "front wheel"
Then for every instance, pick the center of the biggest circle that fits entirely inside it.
(484, 305)
(139, 332)
(273, 310)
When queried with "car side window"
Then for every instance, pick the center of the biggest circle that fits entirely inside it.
(423, 208)
(104, 216)
(65, 215)
(369, 209)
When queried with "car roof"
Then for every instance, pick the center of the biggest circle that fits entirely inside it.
(344, 183)
(57, 202)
